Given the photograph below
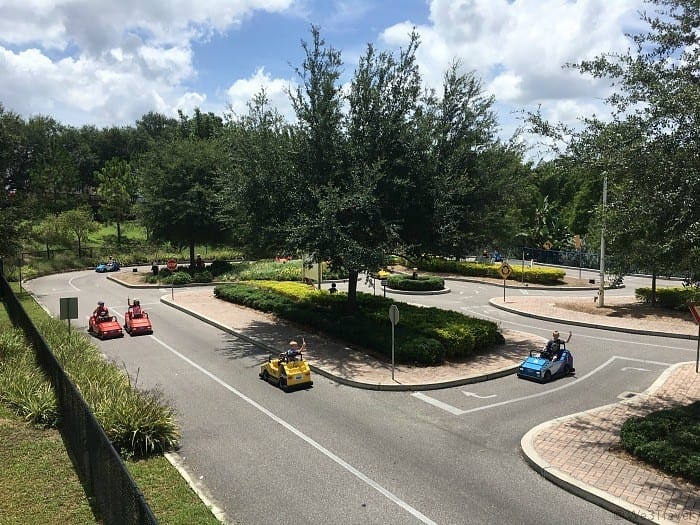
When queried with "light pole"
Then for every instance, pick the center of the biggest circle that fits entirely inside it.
(601, 290)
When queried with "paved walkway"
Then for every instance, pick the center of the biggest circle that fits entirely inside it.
(580, 452)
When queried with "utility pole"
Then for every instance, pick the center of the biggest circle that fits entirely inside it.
(601, 290)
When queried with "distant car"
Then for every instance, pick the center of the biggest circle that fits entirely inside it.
(287, 373)
(105, 327)
(542, 369)
(138, 324)
(108, 267)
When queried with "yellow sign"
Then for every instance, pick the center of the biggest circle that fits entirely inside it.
(505, 270)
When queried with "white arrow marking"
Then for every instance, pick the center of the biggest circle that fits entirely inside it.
(472, 394)
(626, 368)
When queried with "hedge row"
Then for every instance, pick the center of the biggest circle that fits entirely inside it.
(423, 283)
(673, 298)
(669, 439)
(536, 275)
(424, 336)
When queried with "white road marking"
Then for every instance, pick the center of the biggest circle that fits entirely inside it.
(472, 394)
(386, 493)
(70, 283)
(626, 368)
(458, 411)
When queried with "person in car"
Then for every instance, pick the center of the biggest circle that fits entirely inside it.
(294, 350)
(552, 349)
(135, 308)
(101, 312)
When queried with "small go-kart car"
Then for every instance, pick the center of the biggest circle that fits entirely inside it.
(544, 369)
(108, 267)
(137, 323)
(105, 327)
(287, 373)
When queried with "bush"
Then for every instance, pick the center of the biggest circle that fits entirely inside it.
(421, 284)
(668, 439)
(425, 336)
(181, 277)
(202, 277)
(672, 298)
(536, 275)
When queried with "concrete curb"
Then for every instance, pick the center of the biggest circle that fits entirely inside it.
(612, 328)
(580, 489)
(394, 387)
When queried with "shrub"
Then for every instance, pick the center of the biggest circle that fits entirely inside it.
(202, 277)
(181, 277)
(425, 336)
(672, 298)
(422, 283)
(219, 267)
(536, 275)
(669, 439)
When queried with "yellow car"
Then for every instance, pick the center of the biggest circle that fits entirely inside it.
(286, 372)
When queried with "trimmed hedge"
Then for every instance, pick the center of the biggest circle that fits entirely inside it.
(668, 439)
(676, 298)
(423, 283)
(536, 275)
(425, 336)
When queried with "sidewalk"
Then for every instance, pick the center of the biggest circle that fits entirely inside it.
(580, 452)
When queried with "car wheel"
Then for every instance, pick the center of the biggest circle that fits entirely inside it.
(266, 375)
(283, 383)
(548, 376)
(567, 369)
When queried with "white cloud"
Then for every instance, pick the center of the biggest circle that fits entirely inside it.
(276, 90)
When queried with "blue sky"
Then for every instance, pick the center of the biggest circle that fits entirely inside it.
(108, 62)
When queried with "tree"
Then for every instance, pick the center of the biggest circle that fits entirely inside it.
(179, 204)
(117, 189)
(78, 222)
(256, 181)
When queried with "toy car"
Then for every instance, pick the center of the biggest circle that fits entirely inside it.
(287, 373)
(108, 267)
(137, 324)
(105, 327)
(542, 369)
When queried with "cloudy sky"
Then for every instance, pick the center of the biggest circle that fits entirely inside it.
(108, 62)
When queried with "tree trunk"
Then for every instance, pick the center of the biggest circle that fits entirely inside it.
(653, 288)
(352, 291)
(192, 254)
(119, 234)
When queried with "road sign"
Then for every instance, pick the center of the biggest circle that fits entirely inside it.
(172, 264)
(394, 314)
(695, 310)
(505, 270)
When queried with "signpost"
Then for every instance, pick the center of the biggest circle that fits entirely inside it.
(505, 270)
(695, 310)
(394, 318)
(172, 266)
(68, 308)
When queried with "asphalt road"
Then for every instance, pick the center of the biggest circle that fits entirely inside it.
(334, 454)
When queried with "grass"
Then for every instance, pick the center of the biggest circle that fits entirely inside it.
(38, 484)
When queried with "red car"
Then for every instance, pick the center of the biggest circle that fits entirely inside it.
(137, 324)
(105, 327)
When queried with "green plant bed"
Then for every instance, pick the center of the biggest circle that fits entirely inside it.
(668, 439)
(676, 298)
(425, 336)
(423, 283)
(536, 275)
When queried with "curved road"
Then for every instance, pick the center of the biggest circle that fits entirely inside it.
(334, 454)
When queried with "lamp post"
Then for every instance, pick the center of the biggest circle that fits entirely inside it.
(601, 289)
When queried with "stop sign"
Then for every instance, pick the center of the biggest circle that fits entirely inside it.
(172, 264)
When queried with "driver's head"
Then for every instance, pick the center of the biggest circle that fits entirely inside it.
(293, 344)
(100, 303)
(136, 302)
(555, 335)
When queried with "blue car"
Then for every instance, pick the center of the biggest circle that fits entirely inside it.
(543, 369)
(107, 267)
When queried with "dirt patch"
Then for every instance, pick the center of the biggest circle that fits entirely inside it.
(623, 308)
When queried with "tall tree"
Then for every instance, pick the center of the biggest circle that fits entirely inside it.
(78, 222)
(117, 188)
(256, 181)
(179, 204)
